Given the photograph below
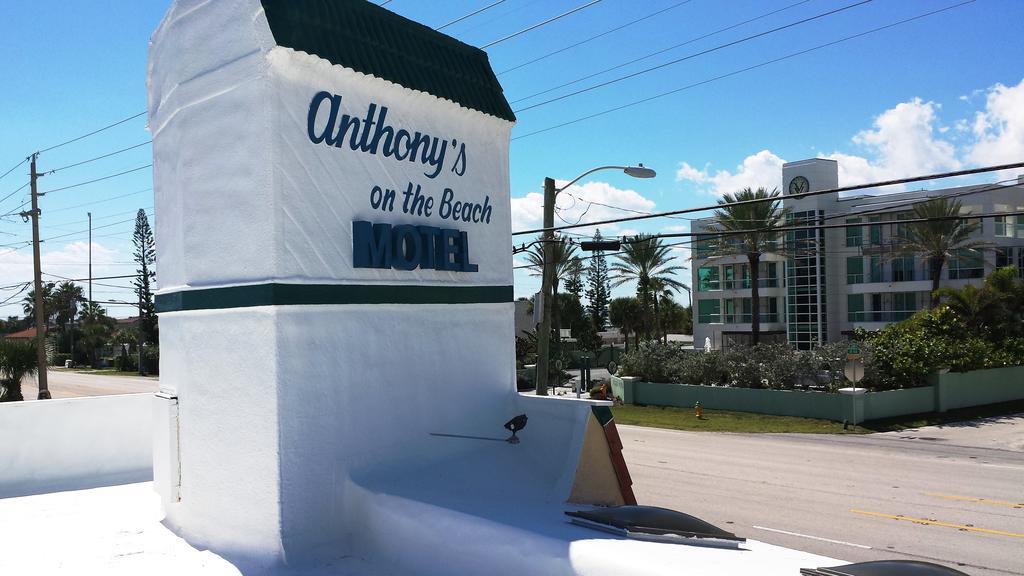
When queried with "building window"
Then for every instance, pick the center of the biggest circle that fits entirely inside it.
(1004, 257)
(854, 234)
(966, 264)
(704, 245)
(855, 307)
(903, 269)
(902, 229)
(876, 269)
(904, 305)
(854, 270)
(1004, 226)
(707, 279)
(730, 277)
(876, 230)
(768, 276)
(709, 311)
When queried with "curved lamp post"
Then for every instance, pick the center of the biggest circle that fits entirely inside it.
(550, 194)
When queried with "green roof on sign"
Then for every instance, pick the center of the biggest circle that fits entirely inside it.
(372, 40)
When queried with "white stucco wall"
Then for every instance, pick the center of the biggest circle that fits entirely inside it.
(72, 443)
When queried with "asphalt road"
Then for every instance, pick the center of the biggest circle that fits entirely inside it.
(952, 494)
(68, 384)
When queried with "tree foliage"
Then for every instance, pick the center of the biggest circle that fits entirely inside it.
(598, 287)
(749, 230)
(939, 237)
(17, 359)
(145, 257)
(648, 262)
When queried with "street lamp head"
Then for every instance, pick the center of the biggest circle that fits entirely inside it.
(640, 171)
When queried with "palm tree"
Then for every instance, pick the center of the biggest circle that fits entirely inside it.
(749, 230)
(66, 299)
(17, 359)
(624, 313)
(648, 262)
(97, 328)
(662, 295)
(28, 304)
(939, 236)
(565, 265)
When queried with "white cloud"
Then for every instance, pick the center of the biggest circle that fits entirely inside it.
(588, 202)
(763, 169)
(71, 261)
(902, 143)
(999, 129)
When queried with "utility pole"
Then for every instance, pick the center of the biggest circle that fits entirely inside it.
(544, 337)
(90, 256)
(44, 391)
(138, 324)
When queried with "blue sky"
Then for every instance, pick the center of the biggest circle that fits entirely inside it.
(938, 93)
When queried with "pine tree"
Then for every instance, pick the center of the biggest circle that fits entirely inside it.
(145, 256)
(574, 278)
(598, 288)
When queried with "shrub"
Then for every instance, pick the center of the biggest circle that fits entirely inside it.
(17, 359)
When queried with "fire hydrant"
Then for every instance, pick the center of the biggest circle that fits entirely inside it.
(698, 410)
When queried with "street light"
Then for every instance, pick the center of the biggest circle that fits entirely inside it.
(550, 194)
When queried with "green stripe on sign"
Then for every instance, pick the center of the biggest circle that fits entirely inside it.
(320, 294)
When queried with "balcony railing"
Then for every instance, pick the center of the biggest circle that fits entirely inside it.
(881, 316)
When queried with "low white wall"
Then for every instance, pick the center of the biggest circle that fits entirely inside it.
(75, 443)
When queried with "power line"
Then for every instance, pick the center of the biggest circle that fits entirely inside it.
(780, 229)
(663, 50)
(97, 179)
(595, 37)
(937, 176)
(100, 157)
(470, 15)
(13, 168)
(539, 24)
(112, 198)
(107, 127)
(20, 188)
(694, 55)
(740, 71)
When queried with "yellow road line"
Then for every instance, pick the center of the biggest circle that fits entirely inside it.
(937, 523)
(976, 500)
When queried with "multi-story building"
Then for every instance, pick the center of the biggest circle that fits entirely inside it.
(830, 280)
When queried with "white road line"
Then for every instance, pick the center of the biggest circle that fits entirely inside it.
(813, 537)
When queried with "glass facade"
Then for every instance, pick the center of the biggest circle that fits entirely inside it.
(967, 264)
(855, 307)
(903, 269)
(707, 279)
(805, 282)
(854, 270)
(709, 311)
(854, 234)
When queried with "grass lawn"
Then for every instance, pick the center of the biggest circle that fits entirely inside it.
(724, 421)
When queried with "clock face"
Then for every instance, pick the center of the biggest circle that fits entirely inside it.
(799, 185)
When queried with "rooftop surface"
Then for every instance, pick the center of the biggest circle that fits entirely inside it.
(116, 530)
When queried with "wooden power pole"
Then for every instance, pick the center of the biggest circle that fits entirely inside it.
(44, 391)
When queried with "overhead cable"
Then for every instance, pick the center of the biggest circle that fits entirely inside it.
(107, 127)
(661, 51)
(694, 55)
(100, 157)
(97, 179)
(595, 37)
(936, 176)
(539, 24)
(740, 71)
(470, 15)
